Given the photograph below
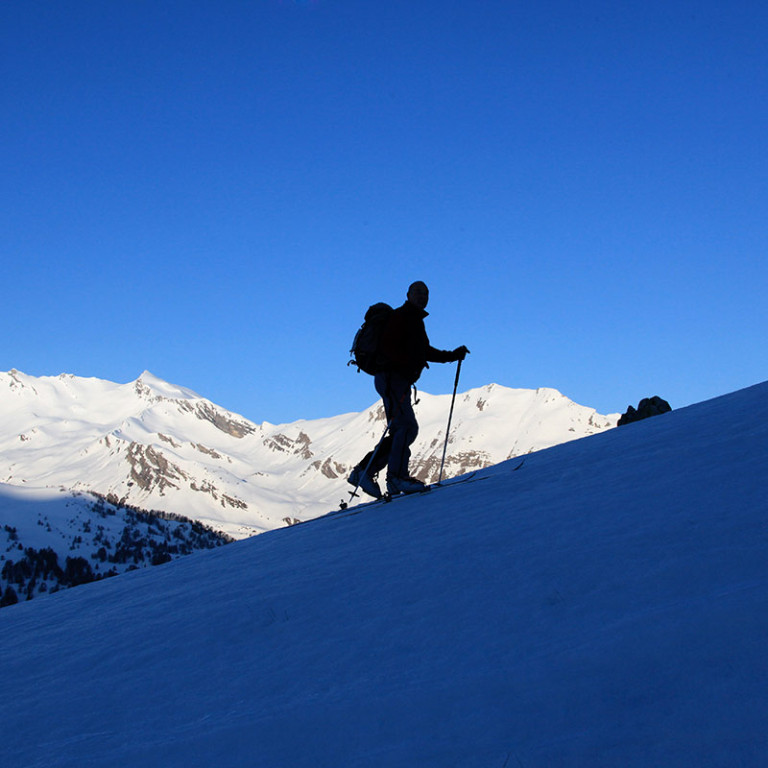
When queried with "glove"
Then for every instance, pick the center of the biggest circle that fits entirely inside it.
(460, 352)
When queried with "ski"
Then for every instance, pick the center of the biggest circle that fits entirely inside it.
(345, 510)
(389, 498)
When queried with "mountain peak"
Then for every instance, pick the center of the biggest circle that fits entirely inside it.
(152, 387)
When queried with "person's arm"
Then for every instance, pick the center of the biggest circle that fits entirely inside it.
(446, 356)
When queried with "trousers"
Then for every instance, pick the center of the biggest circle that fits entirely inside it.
(394, 453)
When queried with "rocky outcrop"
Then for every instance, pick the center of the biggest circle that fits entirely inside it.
(647, 407)
(220, 419)
(151, 471)
(284, 444)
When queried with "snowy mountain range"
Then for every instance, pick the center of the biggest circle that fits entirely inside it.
(156, 446)
(602, 606)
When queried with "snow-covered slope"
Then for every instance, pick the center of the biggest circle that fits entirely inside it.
(605, 605)
(52, 539)
(158, 446)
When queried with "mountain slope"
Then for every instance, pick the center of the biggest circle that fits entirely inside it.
(52, 539)
(603, 606)
(153, 445)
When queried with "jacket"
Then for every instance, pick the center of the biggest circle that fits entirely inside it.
(404, 346)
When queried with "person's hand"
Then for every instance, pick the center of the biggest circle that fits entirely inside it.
(460, 352)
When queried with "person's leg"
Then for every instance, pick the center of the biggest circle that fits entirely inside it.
(380, 458)
(365, 471)
(395, 392)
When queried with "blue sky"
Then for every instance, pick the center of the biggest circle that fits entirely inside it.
(216, 191)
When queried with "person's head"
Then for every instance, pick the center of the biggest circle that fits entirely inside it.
(418, 294)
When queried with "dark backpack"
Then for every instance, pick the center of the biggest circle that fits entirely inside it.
(365, 347)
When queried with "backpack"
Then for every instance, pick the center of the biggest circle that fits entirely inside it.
(365, 346)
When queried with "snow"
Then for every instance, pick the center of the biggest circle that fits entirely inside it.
(109, 539)
(201, 461)
(605, 605)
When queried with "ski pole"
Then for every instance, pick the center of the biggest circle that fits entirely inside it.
(353, 493)
(450, 416)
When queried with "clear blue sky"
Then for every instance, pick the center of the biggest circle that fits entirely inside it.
(216, 191)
